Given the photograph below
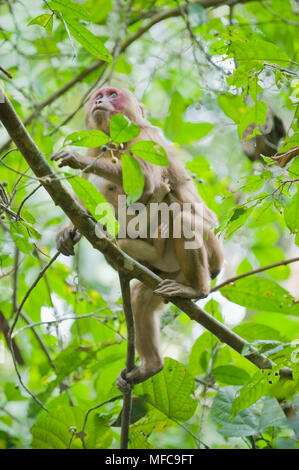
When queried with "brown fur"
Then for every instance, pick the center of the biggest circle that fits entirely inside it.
(186, 273)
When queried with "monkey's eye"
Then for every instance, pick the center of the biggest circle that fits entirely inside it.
(99, 96)
(111, 188)
(113, 94)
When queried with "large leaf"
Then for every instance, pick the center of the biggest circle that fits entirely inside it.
(92, 138)
(60, 428)
(230, 375)
(87, 39)
(170, 391)
(94, 202)
(291, 214)
(122, 130)
(244, 424)
(46, 21)
(69, 8)
(256, 52)
(133, 179)
(233, 106)
(259, 386)
(191, 131)
(261, 294)
(150, 151)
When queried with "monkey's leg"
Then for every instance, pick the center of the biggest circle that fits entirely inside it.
(215, 253)
(194, 278)
(145, 307)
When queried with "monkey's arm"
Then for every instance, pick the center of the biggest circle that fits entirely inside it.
(101, 167)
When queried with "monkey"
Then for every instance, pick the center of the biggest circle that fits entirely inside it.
(185, 272)
(267, 142)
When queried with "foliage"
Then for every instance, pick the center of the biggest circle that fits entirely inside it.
(204, 75)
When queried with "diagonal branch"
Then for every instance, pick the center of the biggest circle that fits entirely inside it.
(117, 258)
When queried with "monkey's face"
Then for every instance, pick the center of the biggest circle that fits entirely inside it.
(105, 103)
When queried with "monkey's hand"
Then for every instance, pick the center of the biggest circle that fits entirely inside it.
(66, 239)
(171, 288)
(138, 374)
(161, 192)
(71, 159)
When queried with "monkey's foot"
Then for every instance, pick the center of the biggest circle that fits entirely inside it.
(171, 288)
(139, 374)
(66, 239)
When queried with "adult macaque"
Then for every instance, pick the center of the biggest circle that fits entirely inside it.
(185, 272)
(267, 142)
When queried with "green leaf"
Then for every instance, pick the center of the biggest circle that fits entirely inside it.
(133, 179)
(254, 114)
(46, 21)
(20, 236)
(199, 355)
(92, 138)
(244, 424)
(237, 220)
(261, 294)
(53, 430)
(256, 52)
(191, 131)
(230, 375)
(259, 386)
(294, 169)
(170, 391)
(12, 392)
(60, 428)
(122, 66)
(150, 151)
(94, 202)
(272, 415)
(69, 8)
(291, 214)
(251, 331)
(233, 106)
(88, 40)
(122, 129)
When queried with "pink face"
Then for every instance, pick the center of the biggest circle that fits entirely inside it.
(107, 99)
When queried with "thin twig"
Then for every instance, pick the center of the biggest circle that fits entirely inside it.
(255, 271)
(54, 322)
(127, 396)
(38, 338)
(82, 433)
(26, 199)
(18, 313)
(15, 280)
(5, 72)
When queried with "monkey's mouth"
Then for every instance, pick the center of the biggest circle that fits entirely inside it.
(101, 108)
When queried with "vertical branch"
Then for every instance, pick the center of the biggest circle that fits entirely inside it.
(127, 396)
(15, 280)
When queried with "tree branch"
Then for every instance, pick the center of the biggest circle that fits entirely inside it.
(127, 396)
(116, 257)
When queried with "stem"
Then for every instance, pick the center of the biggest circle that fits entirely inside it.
(127, 396)
(255, 271)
